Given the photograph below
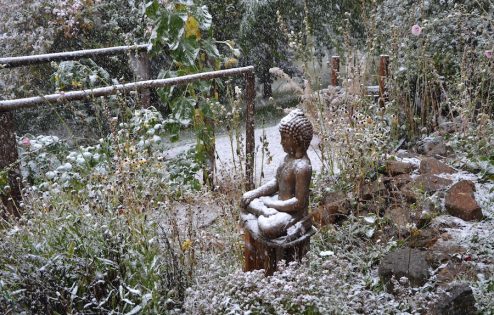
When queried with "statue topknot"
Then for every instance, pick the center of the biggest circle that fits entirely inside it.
(297, 125)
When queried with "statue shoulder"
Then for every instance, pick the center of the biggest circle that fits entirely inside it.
(303, 166)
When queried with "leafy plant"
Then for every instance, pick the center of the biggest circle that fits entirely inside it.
(61, 263)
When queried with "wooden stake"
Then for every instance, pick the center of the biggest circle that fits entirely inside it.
(335, 70)
(383, 74)
(250, 94)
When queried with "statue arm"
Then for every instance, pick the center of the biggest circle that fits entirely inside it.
(268, 189)
(301, 198)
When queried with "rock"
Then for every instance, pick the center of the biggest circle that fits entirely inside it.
(431, 183)
(444, 222)
(400, 218)
(433, 147)
(432, 166)
(448, 127)
(404, 262)
(455, 270)
(457, 300)
(399, 181)
(424, 183)
(406, 154)
(438, 149)
(369, 190)
(204, 214)
(444, 251)
(460, 201)
(424, 238)
(334, 206)
(394, 168)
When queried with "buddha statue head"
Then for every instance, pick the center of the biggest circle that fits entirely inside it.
(296, 133)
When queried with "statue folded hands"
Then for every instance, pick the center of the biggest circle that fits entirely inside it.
(280, 207)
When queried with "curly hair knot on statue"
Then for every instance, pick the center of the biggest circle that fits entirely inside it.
(298, 126)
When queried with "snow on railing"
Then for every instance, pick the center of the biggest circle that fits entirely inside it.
(12, 62)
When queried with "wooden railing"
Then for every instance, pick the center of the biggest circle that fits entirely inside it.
(8, 144)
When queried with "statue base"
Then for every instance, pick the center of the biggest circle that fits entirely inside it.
(262, 253)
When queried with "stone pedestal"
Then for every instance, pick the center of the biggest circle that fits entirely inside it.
(265, 254)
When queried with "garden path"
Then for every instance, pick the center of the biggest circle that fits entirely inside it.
(228, 163)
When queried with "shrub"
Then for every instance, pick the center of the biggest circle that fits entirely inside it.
(77, 261)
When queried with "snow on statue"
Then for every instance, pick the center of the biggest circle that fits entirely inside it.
(278, 209)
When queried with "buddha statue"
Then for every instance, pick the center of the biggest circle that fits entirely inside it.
(278, 209)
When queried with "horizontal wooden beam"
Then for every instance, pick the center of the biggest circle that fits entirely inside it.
(12, 62)
(63, 97)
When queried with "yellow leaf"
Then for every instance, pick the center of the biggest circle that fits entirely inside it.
(186, 245)
(198, 117)
(231, 63)
(76, 84)
(192, 28)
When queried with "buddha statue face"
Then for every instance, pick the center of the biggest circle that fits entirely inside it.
(289, 144)
(296, 133)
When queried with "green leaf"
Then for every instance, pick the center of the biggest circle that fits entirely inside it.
(188, 52)
(210, 49)
(4, 178)
(152, 8)
(204, 17)
(176, 30)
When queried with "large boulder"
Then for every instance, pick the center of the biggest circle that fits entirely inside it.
(432, 166)
(404, 262)
(460, 201)
(457, 300)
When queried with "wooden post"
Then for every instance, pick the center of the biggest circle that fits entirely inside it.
(263, 254)
(10, 175)
(140, 64)
(250, 94)
(383, 74)
(335, 70)
(210, 167)
(144, 73)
